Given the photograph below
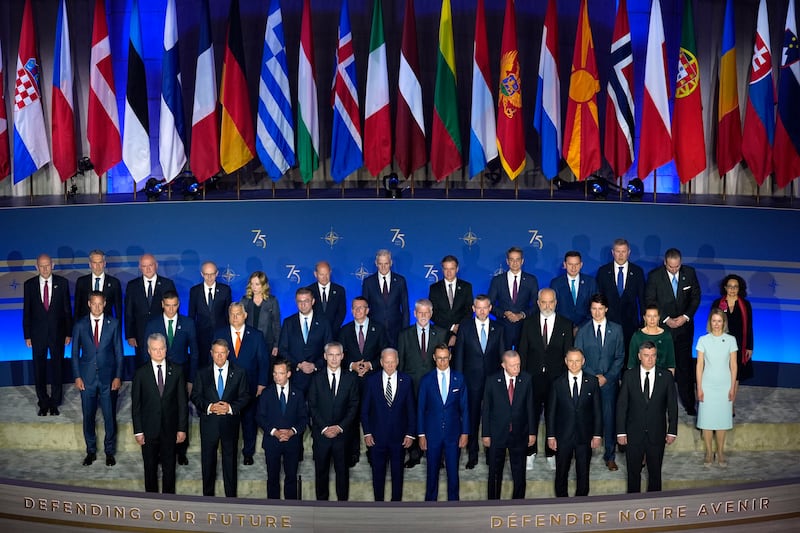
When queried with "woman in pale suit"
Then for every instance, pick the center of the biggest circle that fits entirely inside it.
(716, 384)
(263, 312)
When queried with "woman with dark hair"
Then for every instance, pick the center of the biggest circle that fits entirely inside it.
(740, 321)
(263, 312)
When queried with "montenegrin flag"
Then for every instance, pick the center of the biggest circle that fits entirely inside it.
(510, 128)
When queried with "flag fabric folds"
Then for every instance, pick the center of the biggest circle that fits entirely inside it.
(582, 127)
(547, 116)
(237, 139)
(446, 134)
(307, 106)
(409, 151)
(510, 128)
(786, 151)
(687, 118)
(377, 118)
(30, 139)
(274, 125)
(171, 130)
(204, 151)
(655, 140)
(136, 131)
(482, 134)
(5, 156)
(619, 123)
(346, 151)
(729, 133)
(65, 159)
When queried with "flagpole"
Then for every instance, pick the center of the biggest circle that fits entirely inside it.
(689, 191)
(655, 185)
(758, 193)
(99, 188)
(134, 190)
(516, 190)
(273, 189)
(308, 190)
(342, 188)
(724, 185)
(585, 189)
(482, 173)
(551, 189)
(238, 184)
(412, 185)
(620, 188)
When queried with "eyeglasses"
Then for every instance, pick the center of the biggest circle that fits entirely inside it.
(731, 286)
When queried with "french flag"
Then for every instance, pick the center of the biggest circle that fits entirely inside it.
(204, 154)
(65, 159)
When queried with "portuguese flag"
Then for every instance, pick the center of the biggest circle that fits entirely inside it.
(446, 136)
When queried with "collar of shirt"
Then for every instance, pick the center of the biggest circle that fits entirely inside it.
(98, 317)
(508, 377)
(652, 377)
(337, 373)
(510, 277)
(212, 287)
(550, 321)
(215, 371)
(101, 277)
(155, 366)
(570, 377)
(285, 391)
(601, 324)
(623, 265)
(454, 283)
(146, 279)
(99, 324)
(576, 278)
(309, 316)
(446, 373)
(48, 280)
(365, 324)
(233, 334)
(327, 287)
(174, 322)
(478, 325)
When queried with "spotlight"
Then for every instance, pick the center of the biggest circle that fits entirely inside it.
(635, 189)
(598, 187)
(153, 189)
(85, 164)
(391, 184)
(187, 185)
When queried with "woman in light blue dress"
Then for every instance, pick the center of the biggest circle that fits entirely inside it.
(716, 384)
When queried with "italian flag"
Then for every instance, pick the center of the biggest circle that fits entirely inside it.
(377, 123)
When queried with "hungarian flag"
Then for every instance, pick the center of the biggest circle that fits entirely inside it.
(582, 128)
(547, 117)
(446, 135)
(377, 120)
(482, 133)
(136, 133)
(618, 145)
(307, 106)
(687, 119)
(786, 151)
(409, 151)
(510, 128)
(204, 151)
(729, 135)
(5, 156)
(65, 159)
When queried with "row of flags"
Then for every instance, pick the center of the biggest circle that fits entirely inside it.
(768, 141)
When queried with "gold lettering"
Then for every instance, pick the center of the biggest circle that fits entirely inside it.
(681, 511)
(639, 515)
(587, 518)
(212, 517)
(135, 513)
(764, 503)
(667, 512)
(602, 517)
(255, 520)
(495, 522)
(625, 515)
(226, 518)
(526, 520)
(189, 517)
(271, 521)
(512, 520)
(539, 520)
(703, 510)
(42, 504)
(555, 519)
(81, 508)
(729, 506)
(158, 515)
(67, 508)
(572, 519)
(286, 521)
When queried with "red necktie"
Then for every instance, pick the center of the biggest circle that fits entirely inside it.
(511, 391)
(96, 333)
(46, 297)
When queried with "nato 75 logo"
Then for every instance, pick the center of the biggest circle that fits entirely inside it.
(259, 238)
(294, 274)
(398, 238)
(432, 273)
(536, 238)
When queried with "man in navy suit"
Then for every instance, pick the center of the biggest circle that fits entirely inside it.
(143, 302)
(387, 295)
(451, 298)
(573, 290)
(513, 294)
(208, 307)
(250, 354)
(623, 284)
(97, 367)
(443, 422)
(388, 417)
(98, 280)
(47, 325)
(478, 352)
(330, 300)
(283, 416)
(601, 343)
(574, 422)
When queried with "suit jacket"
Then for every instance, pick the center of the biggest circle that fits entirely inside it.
(393, 312)
(112, 289)
(269, 319)
(389, 424)
(647, 422)
(439, 421)
(468, 358)
(626, 310)
(295, 350)
(411, 361)
(606, 359)
(337, 304)
(46, 327)
(545, 363)
(508, 425)
(375, 340)
(138, 312)
(157, 414)
(208, 320)
(252, 359)
(443, 315)
(658, 291)
(577, 312)
(527, 294)
(269, 415)
(204, 393)
(102, 362)
(329, 410)
(569, 423)
(184, 343)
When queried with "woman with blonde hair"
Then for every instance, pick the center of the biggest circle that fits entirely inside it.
(263, 311)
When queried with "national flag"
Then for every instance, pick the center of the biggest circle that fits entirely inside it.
(136, 133)
(377, 120)
(446, 135)
(237, 140)
(65, 159)
(729, 130)
(171, 129)
(547, 116)
(582, 127)
(102, 129)
(619, 123)
(30, 140)
(307, 106)
(409, 150)
(346, 154)
(5, 157)
(482, 133)
(274, 125)
(655, 141)
(204, 151)
(759, 115)
(510, 128)
(687, 119)
(786, 151)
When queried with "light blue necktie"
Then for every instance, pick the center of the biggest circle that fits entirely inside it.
(574, 292)
(675, 286)
(443, 389)
(97, 284)
(483, 337)
(620, 282)
(220, 385)
(305, 329)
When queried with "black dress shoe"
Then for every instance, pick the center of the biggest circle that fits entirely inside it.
(54, 411)
(110, 461)
(182, 460)
(248, 460)
(42, 411)
(89, 459)
(411, 463)
(472, 463)
(352, 460)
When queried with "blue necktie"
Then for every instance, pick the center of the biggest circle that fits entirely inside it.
(483, 337)
(675, 285)
(599, 335)
(443, 389)
(97, 284)
(574, 293)
(305, 329)
(283, 402)
(620, 282)
(220, 385)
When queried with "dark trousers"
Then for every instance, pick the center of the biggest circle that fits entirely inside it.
(436, 449)
(541, 390)
(90, 397)
(208, 454)
(497, 460)
(394, 454)
(249, 427)
(608, 393)
(685, 375)
(474, 401)
(583, 455)
(326, 450)
(47, 401)
(156, 451)
(288, 454)
(634, 454)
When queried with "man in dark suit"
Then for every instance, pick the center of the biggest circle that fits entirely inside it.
(160, 414)
(98, 280)
(143, 302)
(675, 290)
(623, 284)
(47, 325)
(546, 336)
(574, 422)
(220, 393)
(647, 418)
(283, 415)
(208, 307)
(513, 294)
(333, 406)
(97, 367)
(573, 290)
(181, 339)
(303, 339)
(601, 343)
(250, 354)
(387, 295)
(330, 300)
(478, 352)
(451, 298)
(507, 424)
(443, 422)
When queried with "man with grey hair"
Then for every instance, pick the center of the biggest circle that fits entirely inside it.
(98, 280)
(387, 294)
